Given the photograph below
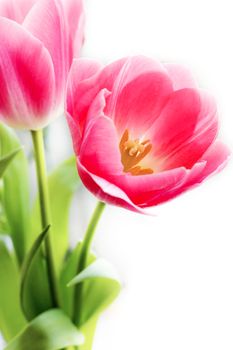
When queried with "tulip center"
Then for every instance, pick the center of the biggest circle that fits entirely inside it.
(132, 152)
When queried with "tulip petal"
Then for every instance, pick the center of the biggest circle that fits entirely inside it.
(140, 102)
(204, 134)
(26, 77)
(140, 189)
(55, 36)
(85, 81)
(106, 191)
(113, 77)
(74, 13)
(216, 158)
(133, 67)
(99, 150)
(96, 110)
(190, 180)
(81, 70)
(181, 77)
(176, 122)
(15, 10)
(74, 131)
(140, 77)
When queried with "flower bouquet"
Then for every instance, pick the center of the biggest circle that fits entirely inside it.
(143, 133)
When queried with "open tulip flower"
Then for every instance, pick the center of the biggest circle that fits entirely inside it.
(39, 39)
(142, 131)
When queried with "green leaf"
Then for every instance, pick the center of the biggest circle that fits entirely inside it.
(102, 286)
(11, 317)
(63, 182)
(15, 196)
(67, 274)
(88, 330)
(51, 330)
(5, 161)
(34, 289)
(98, 269)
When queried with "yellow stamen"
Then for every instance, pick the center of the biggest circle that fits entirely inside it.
(132, 152)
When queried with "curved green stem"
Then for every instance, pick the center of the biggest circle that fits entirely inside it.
(83, 261)
(38, 143)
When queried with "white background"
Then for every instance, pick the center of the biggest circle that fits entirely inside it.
(177, 267)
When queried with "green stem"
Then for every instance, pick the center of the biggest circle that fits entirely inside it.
(38, 143)
(83, 261)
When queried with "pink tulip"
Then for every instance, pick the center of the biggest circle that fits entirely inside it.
(39, 39)
(142, 131)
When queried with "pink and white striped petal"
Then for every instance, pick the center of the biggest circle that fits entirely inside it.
(181, 76)
(56, 36)
(176, 122)
(140, 102)
(203, 136)
(86, 79)
(27, 82)
(16, 10)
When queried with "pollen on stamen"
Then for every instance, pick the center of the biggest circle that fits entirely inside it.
(132, 152)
